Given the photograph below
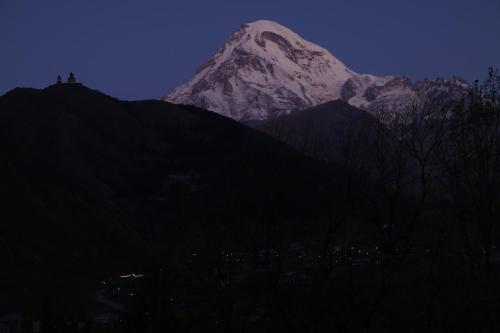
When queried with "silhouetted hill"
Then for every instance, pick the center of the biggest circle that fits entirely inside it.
(93, 185)
(327, 132)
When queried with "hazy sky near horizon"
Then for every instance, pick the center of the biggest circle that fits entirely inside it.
(142, 49)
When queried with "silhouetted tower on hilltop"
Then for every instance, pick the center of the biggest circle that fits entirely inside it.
(71, 78)
(59, 79)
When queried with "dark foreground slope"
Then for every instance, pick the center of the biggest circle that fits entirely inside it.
(92, 185)
(329, 131)
(232, 230)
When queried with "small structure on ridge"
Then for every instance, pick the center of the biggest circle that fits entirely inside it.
(71, 78)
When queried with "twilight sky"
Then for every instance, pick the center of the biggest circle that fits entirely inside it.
(141, 49)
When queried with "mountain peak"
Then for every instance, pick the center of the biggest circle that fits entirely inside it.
(266, 25)
(263, 32)
(265, 69)
(261, 26)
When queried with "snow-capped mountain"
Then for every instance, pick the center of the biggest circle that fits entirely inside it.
(265, 69)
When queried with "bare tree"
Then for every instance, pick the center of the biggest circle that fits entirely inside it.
(472, 167)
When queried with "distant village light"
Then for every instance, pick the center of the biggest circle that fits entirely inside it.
(133, 275)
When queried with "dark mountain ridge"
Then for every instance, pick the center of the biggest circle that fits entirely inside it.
(326, 132)
(93, 185)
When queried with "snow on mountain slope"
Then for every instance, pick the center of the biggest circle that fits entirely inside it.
(265, 69)
(398, 92)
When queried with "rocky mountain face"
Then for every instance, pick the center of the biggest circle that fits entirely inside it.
(265, 70)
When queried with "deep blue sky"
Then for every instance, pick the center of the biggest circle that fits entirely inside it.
(141, 49)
